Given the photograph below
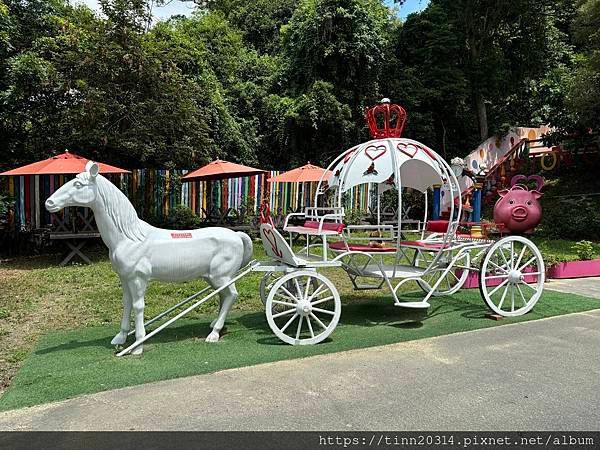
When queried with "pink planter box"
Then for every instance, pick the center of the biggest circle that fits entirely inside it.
(472, 281)
(575, 269)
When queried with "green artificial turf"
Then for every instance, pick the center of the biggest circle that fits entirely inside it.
(69, 363)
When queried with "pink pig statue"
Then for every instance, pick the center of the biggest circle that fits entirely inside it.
(518, 209)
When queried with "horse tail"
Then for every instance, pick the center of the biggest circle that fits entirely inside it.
(247, 248)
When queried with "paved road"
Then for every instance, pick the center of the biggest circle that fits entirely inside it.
(541, 375)
(588, 287)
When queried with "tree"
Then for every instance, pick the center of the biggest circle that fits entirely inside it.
(584, 92)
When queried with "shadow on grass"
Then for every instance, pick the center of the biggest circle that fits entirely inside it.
(366, 314)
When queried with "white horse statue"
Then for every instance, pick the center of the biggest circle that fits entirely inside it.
(140, 252)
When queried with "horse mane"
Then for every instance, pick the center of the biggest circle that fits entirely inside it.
(120, 210)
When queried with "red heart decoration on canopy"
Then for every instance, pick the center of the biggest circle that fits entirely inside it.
(408, 149)
(374, 152)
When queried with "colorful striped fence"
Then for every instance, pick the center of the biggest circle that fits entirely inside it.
(155, 192)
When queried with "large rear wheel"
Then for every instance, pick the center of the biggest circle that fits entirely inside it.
(512, 276)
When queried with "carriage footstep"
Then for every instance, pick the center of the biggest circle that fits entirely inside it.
(413, 305)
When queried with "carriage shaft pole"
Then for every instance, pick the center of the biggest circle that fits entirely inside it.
(172, 308)
(186, 311)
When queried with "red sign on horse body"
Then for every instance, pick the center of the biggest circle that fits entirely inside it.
(181, 235)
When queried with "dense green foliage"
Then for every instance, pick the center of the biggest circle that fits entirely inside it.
(280, 82)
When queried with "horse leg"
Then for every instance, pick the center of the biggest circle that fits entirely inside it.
(137, 289)
(212, 324)
(121, 336)
(228, 296)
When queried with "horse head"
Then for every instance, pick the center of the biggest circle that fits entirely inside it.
(80, 191)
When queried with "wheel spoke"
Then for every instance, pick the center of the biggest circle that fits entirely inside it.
(521, 255)
(512, 299)
(498, 287)
(299, 328)
(291, 296)
(306, 289)
(298, 288)
(512, 254)
(321, 324)
(527, 263)
(318, 291)
(293, 305)
(284, 313)
(310, 328)
(501, 251)
(495, 277)
(285, 297)
(522, 296)
(288, 323)
(503, 297)
(324, 311)
(322, 300)
(498, 267)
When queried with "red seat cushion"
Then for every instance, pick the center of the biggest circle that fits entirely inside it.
(437, 226)
(340, 245)
(329, 226)
(422, 244)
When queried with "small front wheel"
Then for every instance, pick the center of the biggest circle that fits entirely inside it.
(512, 276)
(303, 308)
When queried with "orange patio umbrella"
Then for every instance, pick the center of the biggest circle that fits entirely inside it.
(220, 170)
(307, 173)
(65, 163)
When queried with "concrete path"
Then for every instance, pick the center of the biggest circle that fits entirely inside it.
(541, 375)
(588, 287)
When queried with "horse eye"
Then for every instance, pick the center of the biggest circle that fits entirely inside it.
(78, 185)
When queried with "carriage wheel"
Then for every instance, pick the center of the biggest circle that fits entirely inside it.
(453, 280)
(266, 283)
(512, 276)
(311, 308)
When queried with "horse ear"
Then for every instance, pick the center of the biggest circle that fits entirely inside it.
(92, 168)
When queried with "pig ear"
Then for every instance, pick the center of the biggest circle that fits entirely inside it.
(92, 168)
(503, 192)
(536, 194)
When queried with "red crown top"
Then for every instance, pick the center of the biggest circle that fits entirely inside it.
(386, 119)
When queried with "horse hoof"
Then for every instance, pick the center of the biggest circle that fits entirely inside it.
(119, 339)
(138, 350)
(213, 337)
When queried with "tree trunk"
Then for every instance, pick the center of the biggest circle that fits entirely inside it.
(482, 116)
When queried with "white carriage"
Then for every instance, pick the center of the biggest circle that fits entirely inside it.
(303, 306)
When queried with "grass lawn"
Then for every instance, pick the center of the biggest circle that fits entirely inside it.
(68, 315)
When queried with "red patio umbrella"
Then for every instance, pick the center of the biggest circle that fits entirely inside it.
(220, 170)
(302, 174)
(65, 163)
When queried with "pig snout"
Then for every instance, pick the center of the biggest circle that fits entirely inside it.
(519, 213)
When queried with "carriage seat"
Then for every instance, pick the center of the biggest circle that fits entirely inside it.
(340, 246)
(432, 226)
(312, 227)
(437, 226)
